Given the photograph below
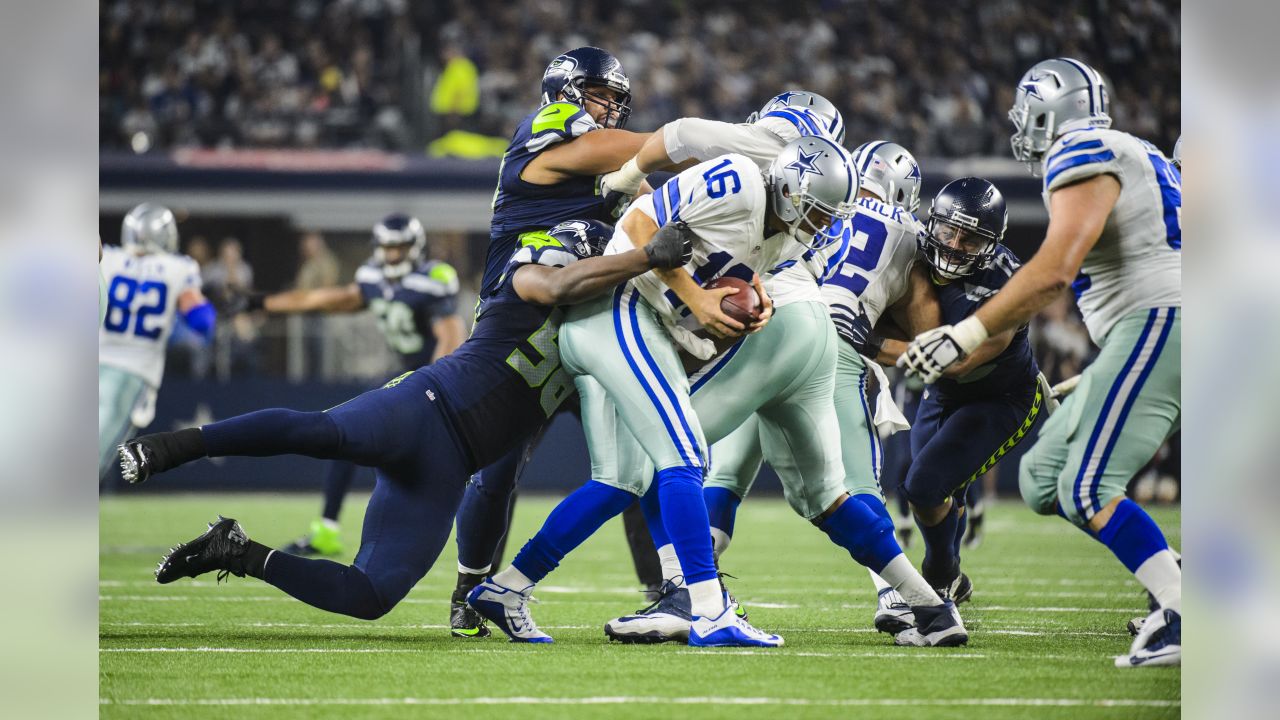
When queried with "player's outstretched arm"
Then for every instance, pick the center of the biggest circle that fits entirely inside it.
(594, 153)
(587, 278)
(346, 298)
(450, 332)
(692, 140)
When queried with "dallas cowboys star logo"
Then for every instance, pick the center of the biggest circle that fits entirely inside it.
(804, 164)
(785, 97)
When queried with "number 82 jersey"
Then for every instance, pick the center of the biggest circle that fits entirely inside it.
(142, 299)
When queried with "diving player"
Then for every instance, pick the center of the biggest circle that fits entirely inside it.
(982, 407)
(798, 207)
(425, 432)
(548, 176)
(416, 302)
(1114, 238)
(148, 283)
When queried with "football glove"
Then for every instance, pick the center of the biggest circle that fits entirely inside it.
(933, 351)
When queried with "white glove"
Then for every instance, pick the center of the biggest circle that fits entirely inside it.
(625, 180)
(933, 351)
(701, 348)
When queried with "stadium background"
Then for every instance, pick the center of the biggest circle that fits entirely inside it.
(280, 131)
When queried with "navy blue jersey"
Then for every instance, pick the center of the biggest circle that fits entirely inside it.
(506, 379)
(519, 206)
(407, 307)
(1011, 369)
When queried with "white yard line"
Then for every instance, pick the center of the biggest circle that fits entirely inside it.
(653, 700)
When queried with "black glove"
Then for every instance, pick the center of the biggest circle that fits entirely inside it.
(671, 246)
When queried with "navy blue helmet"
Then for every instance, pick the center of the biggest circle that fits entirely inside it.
(398, 230)
(966, 222)
(579, 74)
(584, 238)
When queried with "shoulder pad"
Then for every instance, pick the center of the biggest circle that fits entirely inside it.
(368, 275)
(427, 282)
(1079, 155)
(556, 122)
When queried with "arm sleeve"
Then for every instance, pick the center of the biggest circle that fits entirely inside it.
(1080, 156)
(698, 139)
(202, 318)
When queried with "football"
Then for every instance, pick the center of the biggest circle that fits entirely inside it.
(744, 305)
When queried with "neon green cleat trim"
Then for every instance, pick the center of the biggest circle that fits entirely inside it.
(325, 537)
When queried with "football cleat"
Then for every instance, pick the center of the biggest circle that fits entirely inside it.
(136, 461)
(148, 455)
(974, 533)
(728, 630)
(508, 609)
(323, 540)
(222, 547)
(667, 619)
(1135, 625)
(959, 591)
(729, 599)
(1159, 641)
(465, 622)
(936, 626)
(893, 614)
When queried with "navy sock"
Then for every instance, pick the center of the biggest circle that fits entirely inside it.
(651, 506)
(684, 515)
(867, 536)
(574, 520)
(325, 584)
(941, 564)
(485, 510)
(962, 524)
(1132, 535)
(336, 484)
(722, 508)
(273, 432)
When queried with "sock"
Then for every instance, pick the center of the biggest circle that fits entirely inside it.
(941, 564)
(902, 575)
(651, 507)
(336, 484)
(684, 515)
(644, 556)
(466, 581)
(324, 584)
(878, 581)
(867, 536)
(706, 598)
(962, 526)
(513, 578)
(719, 542)
(482, 515)
(722, 508)
(875, 504)
(273, 432)
(670, 563)
(1137, 541)
(255, 559)
(574, 520)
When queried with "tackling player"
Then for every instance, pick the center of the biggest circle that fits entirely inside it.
(425, 432)
(147, 283)
(1114, 238)
(416, 302)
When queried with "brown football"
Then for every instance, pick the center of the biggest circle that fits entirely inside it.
(744, 305)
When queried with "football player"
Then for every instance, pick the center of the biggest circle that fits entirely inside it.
(982, 407)
(1114, 238)
(425, 432)
(147, 284)
(415, 300)
(548, 175)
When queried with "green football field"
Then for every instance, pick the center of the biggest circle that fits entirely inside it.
(1047, 615)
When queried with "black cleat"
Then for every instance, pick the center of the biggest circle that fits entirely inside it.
(136, 461)
(974, 534)
(222, 547)
(147, 455)
(959, 591)
(466, 623)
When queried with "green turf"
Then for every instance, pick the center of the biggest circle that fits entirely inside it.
(1047, 616)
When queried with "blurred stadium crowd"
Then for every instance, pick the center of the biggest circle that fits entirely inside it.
(395, 75)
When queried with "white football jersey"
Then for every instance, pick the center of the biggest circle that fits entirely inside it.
(723, 201)
(1137, 262)
(876, 272)
(142, 298)
(760, 141)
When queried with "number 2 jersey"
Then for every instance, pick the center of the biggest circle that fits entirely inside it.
(504, 382)
(407, 308)
(1137, 262)
(142, 299)
(520, 206)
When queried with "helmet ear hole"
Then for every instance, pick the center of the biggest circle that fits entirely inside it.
(1041, 121)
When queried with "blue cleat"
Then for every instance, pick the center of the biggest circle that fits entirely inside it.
(508, 609)
(729, 630)
(1159, 642)
(665, 620)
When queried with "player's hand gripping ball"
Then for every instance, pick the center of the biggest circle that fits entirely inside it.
(744, 305)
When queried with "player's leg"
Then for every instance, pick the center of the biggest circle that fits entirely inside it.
(738, 457)
(406, 525)
(118, 393)
(956, 445)
(323, 537)
(1128, 401)
(278, 431)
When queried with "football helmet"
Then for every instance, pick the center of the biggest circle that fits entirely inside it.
(966, 221)
(1051, 96)
(574, 74)
(890, 172)
(808, 111)
(398, 230)
(584, 238)
(149, 228)
(812, 173)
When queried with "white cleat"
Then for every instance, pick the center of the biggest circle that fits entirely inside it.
(936, 626)
(508, 609)
(1159, 641)
(893, 614)
(729, 630)
(667, 619)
